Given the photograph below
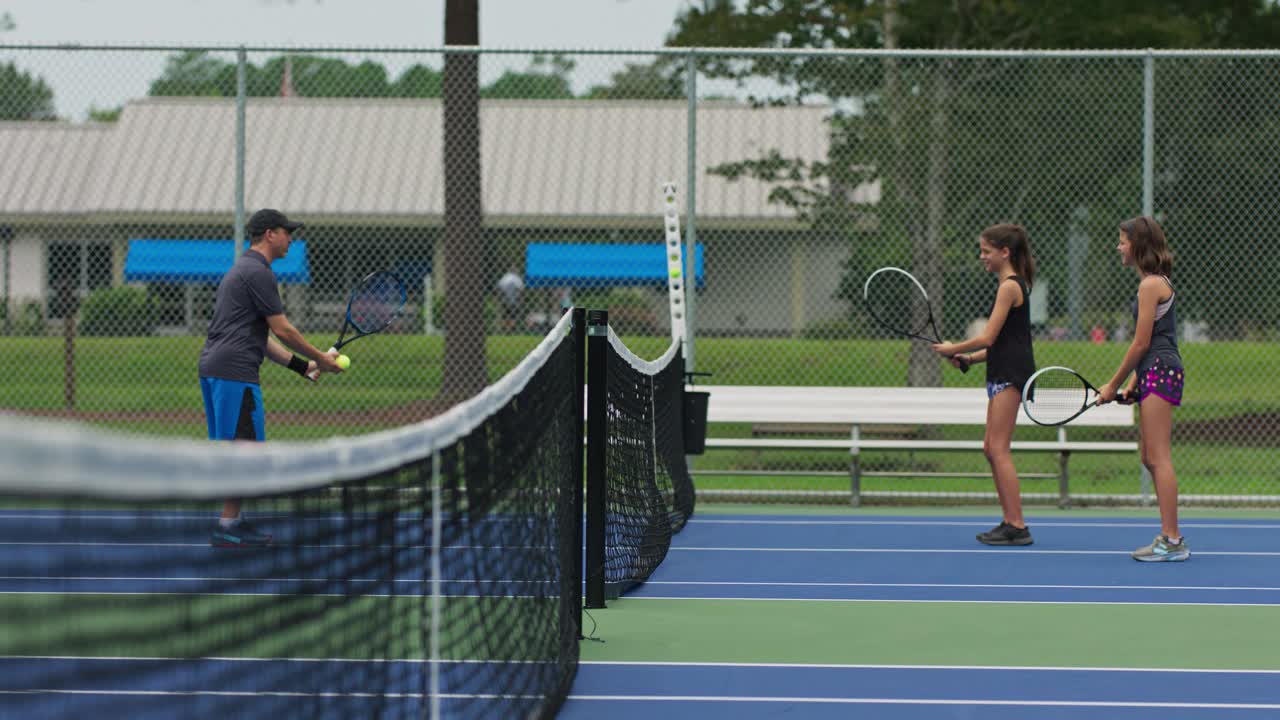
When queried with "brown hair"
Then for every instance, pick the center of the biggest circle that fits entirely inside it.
(1014, 239)
(1150, 249)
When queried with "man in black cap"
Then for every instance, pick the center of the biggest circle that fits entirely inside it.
(248, 305)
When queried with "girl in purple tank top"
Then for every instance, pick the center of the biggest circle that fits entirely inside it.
(1153, 370)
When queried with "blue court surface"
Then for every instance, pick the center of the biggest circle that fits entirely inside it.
(879, 616)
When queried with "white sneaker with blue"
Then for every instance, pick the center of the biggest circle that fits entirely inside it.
(1162, 549)
(238, 534)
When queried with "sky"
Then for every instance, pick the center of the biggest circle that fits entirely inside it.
(80, 81)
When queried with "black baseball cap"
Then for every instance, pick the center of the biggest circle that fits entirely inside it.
(267, 219)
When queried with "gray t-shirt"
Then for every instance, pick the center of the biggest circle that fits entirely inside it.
(237, 340)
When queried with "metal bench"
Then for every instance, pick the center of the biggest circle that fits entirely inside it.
(778, 407)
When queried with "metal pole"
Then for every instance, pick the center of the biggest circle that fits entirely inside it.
(1148, 133)
(238, 244)
(691, 233)
(1148, 183)
(579, 400)
(597, 429)
(6, 234)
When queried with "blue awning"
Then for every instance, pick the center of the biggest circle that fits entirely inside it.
(203, 261)
(600, 264)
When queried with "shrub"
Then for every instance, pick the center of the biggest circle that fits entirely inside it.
(118, 311)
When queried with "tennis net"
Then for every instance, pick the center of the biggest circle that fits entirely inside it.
(649, 492)
(426, 571)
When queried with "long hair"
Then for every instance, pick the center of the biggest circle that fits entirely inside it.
(1014, 239)
(1150, 249)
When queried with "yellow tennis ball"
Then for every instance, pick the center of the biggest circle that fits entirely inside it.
(344, 362)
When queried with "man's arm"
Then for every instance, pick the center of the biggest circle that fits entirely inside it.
(292, 339)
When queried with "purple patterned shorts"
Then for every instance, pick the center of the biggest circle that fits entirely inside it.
(1162, 379)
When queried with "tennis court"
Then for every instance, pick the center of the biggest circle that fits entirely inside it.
(329, 628)
(865, 614)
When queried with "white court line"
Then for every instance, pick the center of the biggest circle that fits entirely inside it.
(268, 548)
(214, 693)
(952, 551)
(983, 523)
(415, 661)
(872, 666)
(272, 579)
(896, 601)
(997, 586)
(916, 701)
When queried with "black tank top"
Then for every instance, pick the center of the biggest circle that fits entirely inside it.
(1010, 358)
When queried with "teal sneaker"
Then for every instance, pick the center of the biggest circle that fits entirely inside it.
(241, 534)
(1162, 550)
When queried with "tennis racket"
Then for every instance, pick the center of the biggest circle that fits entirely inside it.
(374, 304)
(896, 300)
(1057, 395)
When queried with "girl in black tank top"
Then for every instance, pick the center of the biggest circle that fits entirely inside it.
(1153, 368)
(1005, 345)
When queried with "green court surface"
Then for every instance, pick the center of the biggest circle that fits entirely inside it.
(893, 633)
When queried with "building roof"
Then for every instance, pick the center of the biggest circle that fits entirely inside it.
(381, 160)
(46, 165)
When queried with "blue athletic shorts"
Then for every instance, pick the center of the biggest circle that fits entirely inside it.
(995, 388)
(233, 410)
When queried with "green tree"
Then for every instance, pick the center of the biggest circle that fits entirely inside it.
(546, 79)
(7, 23)
(196, 73)
(24, 96)
(660, 80)
(419, 81)
(959, 143)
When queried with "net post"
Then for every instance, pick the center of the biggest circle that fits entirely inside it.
(597, 362)
(578, 477)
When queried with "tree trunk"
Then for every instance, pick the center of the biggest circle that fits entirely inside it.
(928, 259)
(466, 256)
(922, 218)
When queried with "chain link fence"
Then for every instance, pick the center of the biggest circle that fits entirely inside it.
(126, 172)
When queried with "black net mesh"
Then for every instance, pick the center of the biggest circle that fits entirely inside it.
(426, 571)
(650, 493)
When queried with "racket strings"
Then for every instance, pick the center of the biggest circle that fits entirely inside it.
(1056, 397)
(896, 302)
(376, 303)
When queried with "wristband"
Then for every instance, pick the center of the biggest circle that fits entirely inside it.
(298, 365)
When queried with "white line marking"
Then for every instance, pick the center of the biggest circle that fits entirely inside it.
(866, 666)
(951, 551)
(968, 585)
(118, 658)
(270, 579)
(984, 523)
(216, 693)
(952, 601)
(915, 701)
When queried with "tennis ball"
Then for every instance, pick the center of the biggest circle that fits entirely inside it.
(344, 362)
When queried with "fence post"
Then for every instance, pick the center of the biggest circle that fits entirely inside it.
(691, 195)
(1148, 186)
(241, 60)
(1148, 132)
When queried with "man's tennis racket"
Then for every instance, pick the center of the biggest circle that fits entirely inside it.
(374, 304)
(897, 301)
(1057, 395)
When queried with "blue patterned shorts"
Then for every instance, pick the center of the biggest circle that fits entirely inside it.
(1162, 379)
(995, 388)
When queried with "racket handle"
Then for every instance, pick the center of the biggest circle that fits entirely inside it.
(313, 375)
(964, 363)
